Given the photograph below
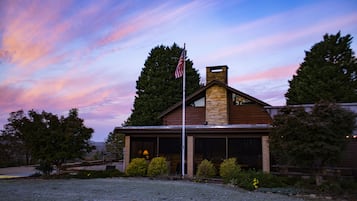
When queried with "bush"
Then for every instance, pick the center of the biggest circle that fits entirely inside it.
(251, 180)
(267, 180)
(229, 169)
(157, 167)
(338, 186)
(137, 167)
(244, 180)
(45, 167)
(206, 169)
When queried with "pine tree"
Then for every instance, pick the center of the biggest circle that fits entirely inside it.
(114, 145)
(157, 89)
(311, 139)
(329, 72)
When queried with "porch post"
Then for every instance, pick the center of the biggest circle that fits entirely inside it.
(190, 151)
(126, 152)
(157, 146)
(266, 154)
(227, 148)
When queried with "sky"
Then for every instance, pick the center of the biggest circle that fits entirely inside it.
(88, 54)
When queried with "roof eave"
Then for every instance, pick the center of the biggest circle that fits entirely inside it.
(196, 129)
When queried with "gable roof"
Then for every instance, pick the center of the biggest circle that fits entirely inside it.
(201, 92)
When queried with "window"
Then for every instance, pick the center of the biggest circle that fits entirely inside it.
(199, 102)
(239, 100)
(141, 147)
(248, 151)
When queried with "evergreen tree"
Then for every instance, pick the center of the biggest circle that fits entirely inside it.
(115, 144)
(314, 139)
(157, 89)
(329, 72)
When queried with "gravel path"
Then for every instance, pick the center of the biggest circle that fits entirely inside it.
(131, 189)
(22, 171)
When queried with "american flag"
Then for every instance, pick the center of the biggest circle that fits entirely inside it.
(180, 65)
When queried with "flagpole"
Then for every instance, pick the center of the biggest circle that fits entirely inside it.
(183, 113)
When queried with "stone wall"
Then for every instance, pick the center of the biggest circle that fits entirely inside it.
(216, 106)
(219, 73)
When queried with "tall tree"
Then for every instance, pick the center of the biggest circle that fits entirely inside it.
(14, 148)
(49, 139)
(313, 139)
(115, 144)
(329, 72)
(157, 89)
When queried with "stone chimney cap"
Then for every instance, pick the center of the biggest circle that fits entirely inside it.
(217, 67)
(219, 73)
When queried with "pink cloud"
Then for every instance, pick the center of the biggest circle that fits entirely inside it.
(27, 31)
(102, 109)
(5, 56)
(272, 73)
(97, 100)
(37, 36)
(281, 38)
(149, 18)
(9, 98)
(69, 91)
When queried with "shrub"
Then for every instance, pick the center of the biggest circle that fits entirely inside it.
(229, 169)
(157, 167)
(45, 167)
(137, 167)
(250, 180)
(206, 169)
(267, 180)
(244, 180)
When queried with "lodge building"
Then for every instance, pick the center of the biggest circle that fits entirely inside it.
(221, 122)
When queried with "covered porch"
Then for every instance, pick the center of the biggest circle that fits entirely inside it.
(248, 143)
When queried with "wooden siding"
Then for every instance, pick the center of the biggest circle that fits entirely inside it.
(238, 114)
(194, 116)
(248, 114)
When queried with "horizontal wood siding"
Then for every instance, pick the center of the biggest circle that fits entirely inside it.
(248, 114)
(194, 116)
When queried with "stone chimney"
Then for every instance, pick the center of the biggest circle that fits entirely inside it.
(216, 96)
(219, 73)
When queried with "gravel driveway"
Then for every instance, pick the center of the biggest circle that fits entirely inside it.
(133, 189)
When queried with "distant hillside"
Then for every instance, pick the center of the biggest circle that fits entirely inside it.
(100, 146)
